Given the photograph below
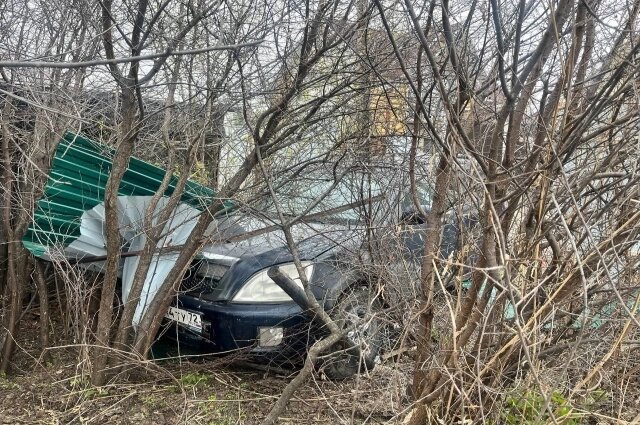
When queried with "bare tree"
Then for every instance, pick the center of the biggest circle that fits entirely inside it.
(540, 113)
(520, 117)
(35, 109)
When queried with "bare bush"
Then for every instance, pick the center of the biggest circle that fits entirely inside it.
(504, 135)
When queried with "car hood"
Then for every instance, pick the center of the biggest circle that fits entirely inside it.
(244, 236)
(247, 244)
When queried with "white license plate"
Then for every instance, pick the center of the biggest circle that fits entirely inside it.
(192, 320)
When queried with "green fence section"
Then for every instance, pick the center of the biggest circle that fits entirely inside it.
(77, 180)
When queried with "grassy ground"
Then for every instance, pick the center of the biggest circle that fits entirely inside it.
(199, 390)
(54, 389)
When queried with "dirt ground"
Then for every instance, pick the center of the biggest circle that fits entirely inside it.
(55, 389)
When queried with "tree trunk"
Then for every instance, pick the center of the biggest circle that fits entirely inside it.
(113, 240)
(43, 295)
(431, 250)
(15, 273)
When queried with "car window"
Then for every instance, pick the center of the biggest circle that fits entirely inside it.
(423, 194)
(297, 195)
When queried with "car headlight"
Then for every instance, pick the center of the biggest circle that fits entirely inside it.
(262, 289)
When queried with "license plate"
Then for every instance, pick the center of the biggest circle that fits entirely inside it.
(187, 318)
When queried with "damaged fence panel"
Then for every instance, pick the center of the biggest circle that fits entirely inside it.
(68, 221)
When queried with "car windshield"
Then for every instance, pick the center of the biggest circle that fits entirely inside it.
(423, 195)
(342, 200)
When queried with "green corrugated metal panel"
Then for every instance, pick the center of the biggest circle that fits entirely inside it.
(79, 173)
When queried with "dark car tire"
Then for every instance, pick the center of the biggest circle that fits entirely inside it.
(354, 306)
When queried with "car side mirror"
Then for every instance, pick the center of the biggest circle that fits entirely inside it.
(412, 217)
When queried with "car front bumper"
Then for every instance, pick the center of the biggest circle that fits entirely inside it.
(230, 326)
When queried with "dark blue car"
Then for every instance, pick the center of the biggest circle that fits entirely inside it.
(228, 301)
